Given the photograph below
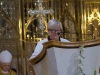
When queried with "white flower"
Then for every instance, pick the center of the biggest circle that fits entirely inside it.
(79, 62)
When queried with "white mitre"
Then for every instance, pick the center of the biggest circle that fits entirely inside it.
(5, 56)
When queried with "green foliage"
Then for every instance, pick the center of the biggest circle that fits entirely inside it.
(95, 72)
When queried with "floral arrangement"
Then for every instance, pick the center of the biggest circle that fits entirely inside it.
(79, 62)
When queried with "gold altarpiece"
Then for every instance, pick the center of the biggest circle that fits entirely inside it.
(91, 19)
(20, 31)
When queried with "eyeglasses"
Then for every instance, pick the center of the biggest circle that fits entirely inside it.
(54, 30)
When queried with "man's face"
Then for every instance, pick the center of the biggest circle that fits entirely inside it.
(5, 66)
(55, 32)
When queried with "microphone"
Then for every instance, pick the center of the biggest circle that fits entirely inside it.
(58, 33)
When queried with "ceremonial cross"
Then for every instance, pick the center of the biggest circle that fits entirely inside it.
(41, 12)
